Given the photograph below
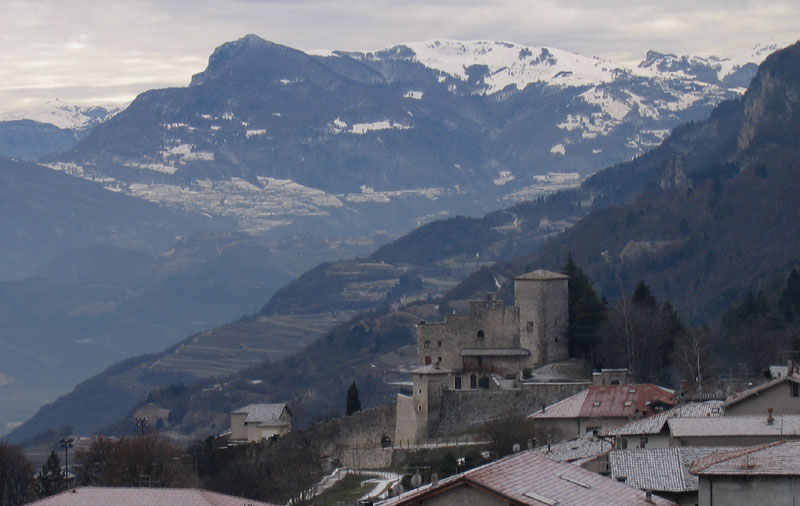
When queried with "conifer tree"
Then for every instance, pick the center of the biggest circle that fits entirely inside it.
(353, 403)
(586, 312)
(50, 479)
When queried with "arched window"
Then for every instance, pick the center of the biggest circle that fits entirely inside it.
(426, 345)
(480, 334)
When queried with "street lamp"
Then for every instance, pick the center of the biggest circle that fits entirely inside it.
(66, 444)
(141, 422)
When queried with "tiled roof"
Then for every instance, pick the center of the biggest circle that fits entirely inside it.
(760, 388)
(608, 401)
(268, 414)
(494, 352)
(751, 425)
(526, 478)
(655, 424)
(659, 469)
(542, 274)
(781, 458)
(586, 446)
(108, 496)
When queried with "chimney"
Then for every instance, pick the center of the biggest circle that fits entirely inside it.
(621, 479)
(530, 444)
(648, 496)
(789, 368)
(770, 418)
(684, 385)
(434, 480)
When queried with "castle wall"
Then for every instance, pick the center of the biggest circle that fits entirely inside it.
(543, 315)
(498, 325)
(461, 409)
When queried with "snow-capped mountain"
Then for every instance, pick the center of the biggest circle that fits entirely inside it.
(351, 142)
(64, 115)
(51, 127)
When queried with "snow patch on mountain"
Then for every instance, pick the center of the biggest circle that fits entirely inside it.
(510, 64)
(362, 128)
(63, 115)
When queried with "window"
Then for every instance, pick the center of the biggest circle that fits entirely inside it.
(596, 403)
(480, 334)
(426, 345)
(480, 361)
(795, 389)
(593, 430)
(457, 384)
(529, 326)
(439, 359)
(643, 442)
(439, 343)
(427, 360)
(473, 381)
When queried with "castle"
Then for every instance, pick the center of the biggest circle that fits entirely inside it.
(492, 343)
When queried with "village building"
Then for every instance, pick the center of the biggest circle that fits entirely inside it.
(121, 496)
(255, 422)
(486, 349)
(599, 408)
(766, 474)
(782, 395)
(526, 479)
(665, 471)
(653, 431)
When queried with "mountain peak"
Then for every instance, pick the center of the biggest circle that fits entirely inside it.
(249, 49)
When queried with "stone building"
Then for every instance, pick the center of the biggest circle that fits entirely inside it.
(255, 422)
(492, 343)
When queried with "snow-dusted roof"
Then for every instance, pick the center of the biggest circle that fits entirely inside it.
(542, 274)
(781, 458)
(586, 446)
(659, 469)
(655, 424)
(751, 425)
(526, 478)
(267, 414)
(120, 496)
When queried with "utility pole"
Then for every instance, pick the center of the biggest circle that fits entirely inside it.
(141, 422)
(66, 444)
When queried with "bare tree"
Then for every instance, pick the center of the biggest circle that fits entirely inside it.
(693, 355)
(151, 460)
(16, 475)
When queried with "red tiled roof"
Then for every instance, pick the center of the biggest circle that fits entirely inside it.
(609, 401)
(525, 478)
(113, 496)
(781, 458)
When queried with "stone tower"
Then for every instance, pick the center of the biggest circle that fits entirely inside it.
(542, 299)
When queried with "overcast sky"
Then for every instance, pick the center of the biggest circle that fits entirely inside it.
(98, 51)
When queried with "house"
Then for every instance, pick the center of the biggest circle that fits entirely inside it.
(733, 430)
(665, 471)
(255, 422)
(766, 474)
(599, 408)
(653, 431)
(526, 479)
(120, 496)
(782, 395)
